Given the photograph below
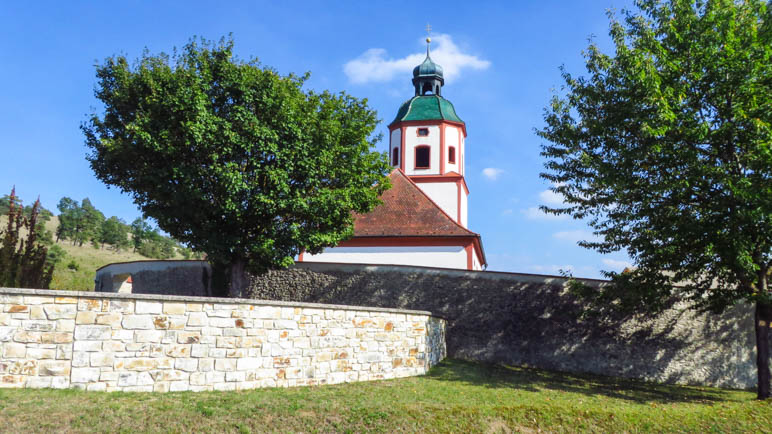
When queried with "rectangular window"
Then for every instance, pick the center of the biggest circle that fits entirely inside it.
(395, 157)
(452, 155)
(423, 132)
(422, 154)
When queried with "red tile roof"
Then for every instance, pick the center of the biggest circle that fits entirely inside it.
(407, 211)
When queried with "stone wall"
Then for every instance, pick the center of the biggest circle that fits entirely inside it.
(133, 342)
(531, 320)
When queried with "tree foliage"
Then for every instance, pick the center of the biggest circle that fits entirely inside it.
(232, 158)
(140, 229)
(665, 147)
(24, 263)
(114, 232)
(79, 221)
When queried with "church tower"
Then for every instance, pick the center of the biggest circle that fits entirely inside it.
(427, 142)
(422, 218)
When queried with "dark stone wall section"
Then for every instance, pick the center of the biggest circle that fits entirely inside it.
(533, 321)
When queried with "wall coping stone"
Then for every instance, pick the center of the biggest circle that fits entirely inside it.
(470, 274)
(219, 300)
(352, 267)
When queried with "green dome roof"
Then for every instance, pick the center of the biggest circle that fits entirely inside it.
(427, 107)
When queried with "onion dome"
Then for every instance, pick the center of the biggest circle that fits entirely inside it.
(428, 68)
(427, 104)
(428, 77)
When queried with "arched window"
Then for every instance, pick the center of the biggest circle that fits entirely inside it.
(395, 157)
(452, 155)
(422, 157)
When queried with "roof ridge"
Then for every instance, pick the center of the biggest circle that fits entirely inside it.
(409, 107)
(433, 202)
(439, 107)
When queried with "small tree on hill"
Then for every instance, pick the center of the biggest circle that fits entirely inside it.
(69, 218)
(115, 232)
(23, 262)
(233, 159)
(666, 148)
(140, 229)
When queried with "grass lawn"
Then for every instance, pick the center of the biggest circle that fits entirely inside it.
(455, 396)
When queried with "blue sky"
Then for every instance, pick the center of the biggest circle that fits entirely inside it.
(501, 61)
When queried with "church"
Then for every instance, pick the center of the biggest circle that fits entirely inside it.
(423, 218)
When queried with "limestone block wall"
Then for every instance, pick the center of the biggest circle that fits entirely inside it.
(132, 342)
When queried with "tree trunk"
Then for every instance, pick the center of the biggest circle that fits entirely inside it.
(237, 278)
(763, 317)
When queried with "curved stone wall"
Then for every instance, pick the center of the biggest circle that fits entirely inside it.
(131, 342)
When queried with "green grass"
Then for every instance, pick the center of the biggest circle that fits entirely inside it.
(455, 396)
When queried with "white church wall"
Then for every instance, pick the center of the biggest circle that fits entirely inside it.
(451, 141)
(475, 262)
(444, 194)
(412, 140)
(425, 256)
(463, 206)
(462, 159)
(396, 143)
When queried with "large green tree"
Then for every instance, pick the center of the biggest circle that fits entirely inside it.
(665, 147)
(232, 158)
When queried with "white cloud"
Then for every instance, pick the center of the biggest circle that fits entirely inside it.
(549, 197)
(534, 213)
(492, 173)
(575, 236)
(507, 211)
(617, 265)
(374, 65)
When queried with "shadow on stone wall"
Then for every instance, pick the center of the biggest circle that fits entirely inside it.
(531, 322)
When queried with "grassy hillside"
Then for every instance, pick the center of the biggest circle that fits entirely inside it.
(86, 258)
(455, 396)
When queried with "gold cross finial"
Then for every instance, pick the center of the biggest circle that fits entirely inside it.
(428, 33)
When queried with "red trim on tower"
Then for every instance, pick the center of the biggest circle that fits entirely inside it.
(431, 122)
(448, 177)
(442, 149)
(300, 256)
(469, 259)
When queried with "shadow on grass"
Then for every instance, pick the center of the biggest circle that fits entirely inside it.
(537, 380)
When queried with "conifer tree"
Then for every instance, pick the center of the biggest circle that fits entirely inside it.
(23, 262)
